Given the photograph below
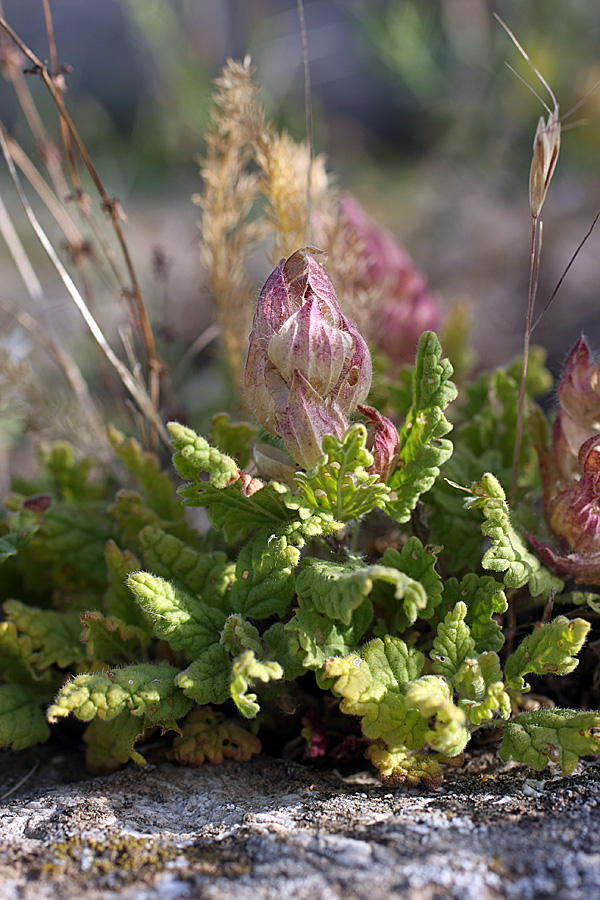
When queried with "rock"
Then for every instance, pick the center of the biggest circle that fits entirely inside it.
(275, 830)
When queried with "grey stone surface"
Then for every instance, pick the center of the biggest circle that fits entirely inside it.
(273, 830)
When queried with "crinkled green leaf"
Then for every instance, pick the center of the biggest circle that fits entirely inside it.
(176, 616)
(338, 589)
(508, 553)
(423, 448)
(194, 456)
(157, 488)
(22, 527)
(264, 583)
(111, 744)
(118, 599)
(131, 515)
(489, 411)
(339, 482)
(207, 678)
(452, 526)
(245, 671)
(550, 650)
(70, 477)
(319, 637)
(69, 545)
(420, 594)
(484, 598)
(207, 735)
(234, 438)
(238, 635)
(481, 689)
(145, 691)
(54, 636)
(453, 643)
(555, 735)
(16, 651)
(383, 711)
(234, 513)
(22, 722)
(208, 575)
(392, 662)
(399, 766)
(284, 648)
(110, 640)
(431, 696)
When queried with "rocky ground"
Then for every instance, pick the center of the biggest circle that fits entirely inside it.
(272, 830)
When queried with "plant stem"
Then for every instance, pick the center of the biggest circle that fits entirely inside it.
(526, 341)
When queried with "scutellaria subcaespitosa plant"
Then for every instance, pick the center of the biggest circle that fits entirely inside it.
(361, 582)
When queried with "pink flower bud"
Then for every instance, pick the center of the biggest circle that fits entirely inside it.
(579, 415)
(308, 367)
(405, 309)
(571, 471)
(306, 420)
(384, 442)
(401, 324)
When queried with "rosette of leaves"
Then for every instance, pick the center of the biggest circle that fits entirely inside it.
(119, 614)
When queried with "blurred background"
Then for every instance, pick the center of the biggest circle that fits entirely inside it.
(413, 105)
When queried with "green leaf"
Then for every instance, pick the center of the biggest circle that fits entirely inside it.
(399, 766)
(118, 599)
(383, 711)
(157, 488)
(15, 654)
(234, 513)
(555, 735)
(453, 643)
(111, 744)
(339, 482)
(54, 636)
(238, 635)
(264, 584)
(338, 589)
(110, 640)
(423, 448)
(508, 553)
(208, 575)
(22, 722)
(207, 735)
(550, 650)
(420, 593)
(176, 616)
(284, 648)
(481, 689)
(451, 525)
(194, 455)
(245, 671)
(23, 525)
(207, 679)
(70, 478)
(147, 692)
(392, 663)
(68, 546)
(318, 637)
(484, 598)
(236, 439)
(432, 697)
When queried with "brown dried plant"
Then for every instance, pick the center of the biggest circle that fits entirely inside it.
(91, 257)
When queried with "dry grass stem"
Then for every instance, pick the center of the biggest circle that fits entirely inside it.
(133, 385)
(110, 206)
